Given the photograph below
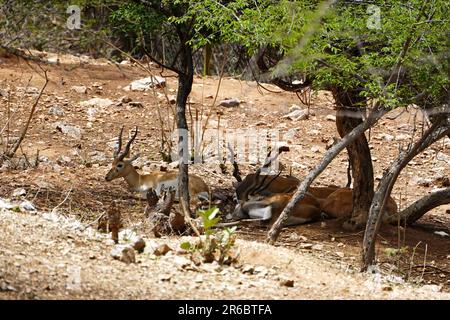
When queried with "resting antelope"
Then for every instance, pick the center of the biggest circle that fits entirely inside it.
(256, 184)
(335, 202)
(157, 181)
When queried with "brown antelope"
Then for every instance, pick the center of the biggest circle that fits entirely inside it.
(269, 209)
(158, 181)
(335, 202)
(257, 184)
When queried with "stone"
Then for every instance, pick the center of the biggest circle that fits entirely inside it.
(124, 253)
(443, 157)
(248, 269)
(297, 115)
(138, 244)
(97, 102)
(287, 283)
(26, 206)
(56, 110)
(19, 192)
(401, 137)
(146, 84)
(330, 117)
(230, 103)
(70, 130)
(315, 149)
(162, 249)
(79, 89)
(125, 99)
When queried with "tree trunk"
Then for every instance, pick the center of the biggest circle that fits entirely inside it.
(331, 153)
(185, 80)
(417, 209)
(207, 60)
(348, 117)
(438, 130)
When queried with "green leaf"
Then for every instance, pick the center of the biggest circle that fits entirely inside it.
(186, 246)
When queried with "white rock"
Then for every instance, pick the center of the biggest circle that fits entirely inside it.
(127, 235)
(70, 130)
(181, 262)
(297, 115)
(27, 206)
(230, 103)
(387, 137)
(330, 117)
(295, 107)
(401, 137)
(51, 216)
(91, 112)
(19, 192)
(97, 102)
(4, 204)
(315, 149)
(443, 157)
(146, 84)
(79, 89)
(56, 110)
(64, 159)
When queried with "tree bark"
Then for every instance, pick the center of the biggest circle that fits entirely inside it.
(417, 209)
(438, 130)
(331, 153)
(185, 80)
(348, 117)
(207, 60)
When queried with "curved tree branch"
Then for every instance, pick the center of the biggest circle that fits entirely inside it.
(418, 208)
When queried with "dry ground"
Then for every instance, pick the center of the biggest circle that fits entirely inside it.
(39, 253)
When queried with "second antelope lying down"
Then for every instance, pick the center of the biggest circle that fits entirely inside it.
(335, 202)
(158, 181)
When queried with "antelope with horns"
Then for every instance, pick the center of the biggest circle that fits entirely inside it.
(158, 181)
(264, 197)
(268, 204)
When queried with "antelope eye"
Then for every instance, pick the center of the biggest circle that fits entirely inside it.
(120, 165)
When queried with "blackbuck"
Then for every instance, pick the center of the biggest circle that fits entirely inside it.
(158, 181)
(265, 185)
(269, 208)
(264, 198)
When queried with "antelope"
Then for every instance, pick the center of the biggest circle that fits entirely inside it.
(265, 185)
(158, 181)
(268, 209)
(332, 201)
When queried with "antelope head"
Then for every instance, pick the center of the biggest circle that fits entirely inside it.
(121, 167)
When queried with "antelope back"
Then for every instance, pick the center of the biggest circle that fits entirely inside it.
(339, 204)
(322, 192)
(265, 185)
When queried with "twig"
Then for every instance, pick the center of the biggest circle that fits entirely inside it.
(62, 202)
(10, 153)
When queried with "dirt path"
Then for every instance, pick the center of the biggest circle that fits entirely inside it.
(47, 256)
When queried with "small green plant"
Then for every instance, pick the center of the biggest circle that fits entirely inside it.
(216, 244)
(395, 253)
